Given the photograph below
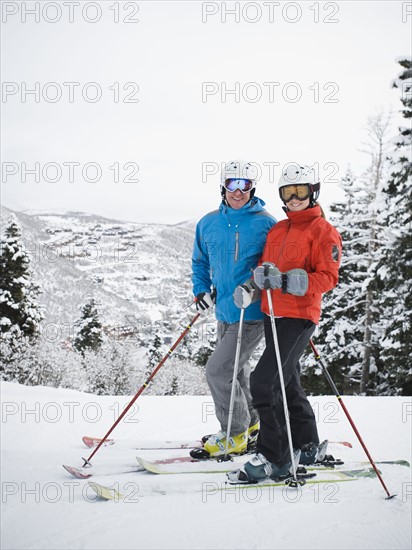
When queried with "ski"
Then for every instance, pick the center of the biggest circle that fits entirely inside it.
(92, 442)
(190, 466)
(112, 493)
(76, 472)
(227, 485)
(106, 493)
(396, 462)
(87, 473)
(186, 464)
(154, 445)
(194, 467)
(344, 443)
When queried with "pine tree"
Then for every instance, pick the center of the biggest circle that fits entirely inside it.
(20, 313)
(205, 337)
(120, 369)
(375, 179)
(154, 352)
(89, 334)
(350, 324)
(341, 329)
(174, 387)
(108, 369)
(203, 354)
(395, 269)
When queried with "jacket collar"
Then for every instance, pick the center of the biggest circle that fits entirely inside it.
(254, 205)
(304, 216)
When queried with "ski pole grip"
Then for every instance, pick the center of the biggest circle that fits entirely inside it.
(266, 273)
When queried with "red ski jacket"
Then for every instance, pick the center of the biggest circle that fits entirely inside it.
(307, 241)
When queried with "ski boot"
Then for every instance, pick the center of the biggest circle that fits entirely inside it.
(215, 446)
(259, 469)
(315, 455)
(252, 433)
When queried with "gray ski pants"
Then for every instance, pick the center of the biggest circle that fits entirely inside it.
(219, 374)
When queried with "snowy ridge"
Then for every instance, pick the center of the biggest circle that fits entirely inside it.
(139, 276)
(139, 272)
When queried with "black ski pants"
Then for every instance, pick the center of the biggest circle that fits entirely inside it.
(293, 337)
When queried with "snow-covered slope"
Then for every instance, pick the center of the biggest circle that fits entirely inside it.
(43, 507)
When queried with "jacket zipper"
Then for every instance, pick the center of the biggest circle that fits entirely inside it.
(237, 246)
(283, 243)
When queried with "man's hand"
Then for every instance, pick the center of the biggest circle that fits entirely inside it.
(246, 294)
(204, 303)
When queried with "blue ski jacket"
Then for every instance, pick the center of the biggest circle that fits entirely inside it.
(227, 248)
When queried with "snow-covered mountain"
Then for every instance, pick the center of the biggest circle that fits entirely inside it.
(139, 273)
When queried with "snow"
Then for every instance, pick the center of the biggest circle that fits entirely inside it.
(44, 507)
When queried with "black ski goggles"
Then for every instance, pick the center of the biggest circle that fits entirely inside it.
(300, 192)
(242, 184)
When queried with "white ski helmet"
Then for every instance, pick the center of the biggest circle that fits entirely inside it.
(238, 169)
(300, 174)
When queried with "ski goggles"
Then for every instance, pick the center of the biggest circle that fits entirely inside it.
(243, 185)
(300, 192)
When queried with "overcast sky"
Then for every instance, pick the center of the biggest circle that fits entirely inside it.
(149, 98)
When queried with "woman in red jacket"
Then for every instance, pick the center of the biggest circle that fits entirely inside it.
(300, 261)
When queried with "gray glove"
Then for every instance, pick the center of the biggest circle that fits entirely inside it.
(294, 281)
(297, 282)
(267, 276)
(246, 294)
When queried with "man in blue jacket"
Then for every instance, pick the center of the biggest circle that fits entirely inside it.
(227, 248)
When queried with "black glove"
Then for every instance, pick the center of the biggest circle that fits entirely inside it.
(205, 302)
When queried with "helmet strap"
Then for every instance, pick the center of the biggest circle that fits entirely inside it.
(314, 193)
(223, 194)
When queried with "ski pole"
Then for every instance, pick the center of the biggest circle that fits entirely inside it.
(281, 379)
(148, 380)
(234, 379)
(335, 391)
(190, 305)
